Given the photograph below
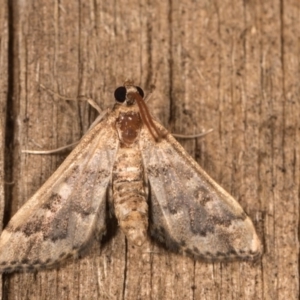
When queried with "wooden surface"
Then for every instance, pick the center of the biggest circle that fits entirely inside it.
(4, 89)
(228, 65)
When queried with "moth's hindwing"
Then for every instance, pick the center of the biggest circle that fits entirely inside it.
(189, 212)
(61, 217)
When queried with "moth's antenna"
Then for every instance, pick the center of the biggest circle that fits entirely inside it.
(146, 117)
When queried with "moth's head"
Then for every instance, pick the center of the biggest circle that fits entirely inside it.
(129, 95)
(125, 94)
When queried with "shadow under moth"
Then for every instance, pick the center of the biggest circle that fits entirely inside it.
(132, 165)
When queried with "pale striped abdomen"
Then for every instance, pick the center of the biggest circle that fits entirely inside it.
(129, 196)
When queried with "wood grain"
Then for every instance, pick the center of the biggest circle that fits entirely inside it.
(228, 65)
(5, 181)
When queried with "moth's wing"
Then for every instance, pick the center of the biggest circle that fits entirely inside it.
(189, 212)
(63, 215)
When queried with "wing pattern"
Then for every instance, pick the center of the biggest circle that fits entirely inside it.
(189, 212)
(61, 217)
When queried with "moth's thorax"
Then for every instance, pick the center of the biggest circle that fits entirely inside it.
(128, 125)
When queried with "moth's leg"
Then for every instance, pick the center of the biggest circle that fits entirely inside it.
(183, 136)
(178, 135)
(57, 150)
(192, 136)
(90, 101)
(53, 151)
(81, 98)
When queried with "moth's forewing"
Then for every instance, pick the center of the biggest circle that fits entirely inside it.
(189, 212)
(61, 217)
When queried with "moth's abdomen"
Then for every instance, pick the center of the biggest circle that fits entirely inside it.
(129, 196)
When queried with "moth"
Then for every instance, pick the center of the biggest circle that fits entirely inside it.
(130, 166)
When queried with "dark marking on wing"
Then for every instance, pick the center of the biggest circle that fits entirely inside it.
(31, 227)
(54, 203)
(68, 210)
(189, 212)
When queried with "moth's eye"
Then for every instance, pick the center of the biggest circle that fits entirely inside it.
(120, 94)
(141, 92)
